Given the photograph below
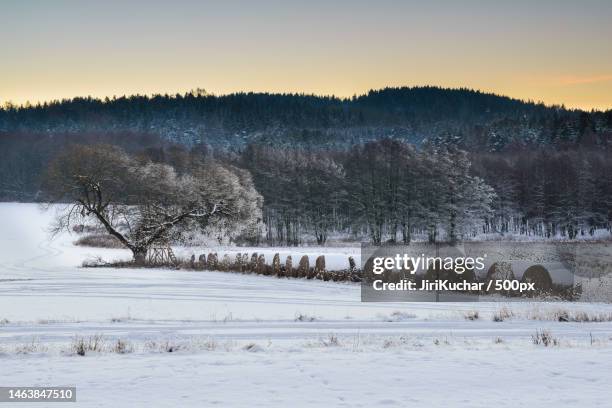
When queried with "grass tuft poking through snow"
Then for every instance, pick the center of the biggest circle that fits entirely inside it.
(253, 347)
(123, 347)
(331, 341)
(30, 348)
(563, 315)
(438, 342)
(301, 317)
(544, 338)
(82, 346)
(397, 316)
(502, 314)
(471, 315)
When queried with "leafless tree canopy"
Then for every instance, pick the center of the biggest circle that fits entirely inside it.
(143, 203)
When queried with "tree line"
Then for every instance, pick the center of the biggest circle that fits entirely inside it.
(467, 119)
(389, 190)
(384, 190)
(548, 193)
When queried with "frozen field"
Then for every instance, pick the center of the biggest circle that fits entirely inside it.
(211, 338)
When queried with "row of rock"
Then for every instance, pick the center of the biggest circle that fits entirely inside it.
(256, 263)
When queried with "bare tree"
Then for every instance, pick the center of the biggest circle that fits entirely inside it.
(139, 202)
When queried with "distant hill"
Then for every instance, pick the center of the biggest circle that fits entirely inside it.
(470, 119)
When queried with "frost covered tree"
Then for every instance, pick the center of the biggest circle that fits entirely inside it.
(395, 187)
(322, 182)
(142, 203)
(371, 181)
(466, 199)
(304, 192)
(234, 187)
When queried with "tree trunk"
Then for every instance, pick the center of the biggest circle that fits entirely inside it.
(452, 235)
(140, 256)
(406, 236)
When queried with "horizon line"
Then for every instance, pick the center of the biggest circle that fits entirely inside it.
(202, 92)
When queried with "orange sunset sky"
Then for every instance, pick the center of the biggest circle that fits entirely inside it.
(559, 52)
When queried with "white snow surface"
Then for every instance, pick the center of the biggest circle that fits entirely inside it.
(247, 341)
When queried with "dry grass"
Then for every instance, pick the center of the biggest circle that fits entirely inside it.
(438, 342)
(563, 315)
(99, 241)
(301, 317)
(552, 315)
(207, 345)
(29, 348)
(502, 314)
(331, 341)
(82, 346)
(123, 347)
(544, 338)
(163, 347)
(471, 315)
(252, 347)
(398, 316)
(396, 342)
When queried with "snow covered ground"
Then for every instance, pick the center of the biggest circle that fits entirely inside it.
(209, 338)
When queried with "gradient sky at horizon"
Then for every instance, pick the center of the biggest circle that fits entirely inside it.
(558, 52)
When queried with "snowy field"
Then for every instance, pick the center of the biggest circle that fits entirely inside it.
(173, 338)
